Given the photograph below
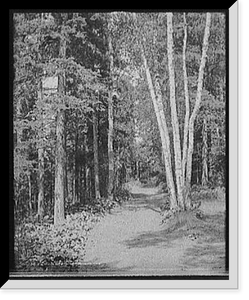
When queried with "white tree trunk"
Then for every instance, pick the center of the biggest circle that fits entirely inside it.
(204, 178)
(174, 117)
(197, 101)
(163, 129)
(186, 120)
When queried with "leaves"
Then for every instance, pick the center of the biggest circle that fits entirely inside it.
(53, 246)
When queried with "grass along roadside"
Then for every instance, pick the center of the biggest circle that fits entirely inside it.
(207, 250)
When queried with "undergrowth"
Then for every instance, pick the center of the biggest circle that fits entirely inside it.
(45, 247)
(205, 218)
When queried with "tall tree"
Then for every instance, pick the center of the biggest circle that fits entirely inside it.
(59, 192)
(110, 113)
(40, 210)
(163, 129)
(197, 104)
(187, 108)
(174, 117)
(178, 184)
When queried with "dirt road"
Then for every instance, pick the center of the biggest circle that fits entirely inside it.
(133, 241)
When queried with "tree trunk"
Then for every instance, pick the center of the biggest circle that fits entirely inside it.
(88, 183)
(204, 178)
(66, 175)
(110, 124)
(40, 209)
(83, 182)
(163, 129)
(174, 117)
(76, 170)
(138, 170)
(95, 154)
(72, 182)
(186, 120)
(30, 194)
(59, 193)
(85, 178)
(197, 102)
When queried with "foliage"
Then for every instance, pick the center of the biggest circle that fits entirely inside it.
(45, 247)
(198, 195)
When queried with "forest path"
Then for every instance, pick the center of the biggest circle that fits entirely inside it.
(132, 241)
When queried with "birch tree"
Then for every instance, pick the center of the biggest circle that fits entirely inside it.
(174, 117)
(187, 109)
(162, 125)
(197, 104)
(182, 155)
(204, 178)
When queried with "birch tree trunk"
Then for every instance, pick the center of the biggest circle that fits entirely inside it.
(204, 178)
(163, 129)
(174, 117)
(186, 120)
(197, 102)
(59, 192)
(110, 120)
(162, 125)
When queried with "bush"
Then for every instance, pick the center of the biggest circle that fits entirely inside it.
(122, 195)
(45, 247)
(207, 193)
(102, 206)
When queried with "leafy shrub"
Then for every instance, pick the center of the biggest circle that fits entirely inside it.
(122, 195)
(99, 206)
(207, 193)
(220, 193)
(170, 213)
(47, 247)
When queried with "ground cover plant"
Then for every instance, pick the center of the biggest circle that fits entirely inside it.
(46, 247)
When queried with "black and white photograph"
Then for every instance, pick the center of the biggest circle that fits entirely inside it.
(120, 144)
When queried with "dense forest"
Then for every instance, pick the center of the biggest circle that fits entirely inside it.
(101, 99)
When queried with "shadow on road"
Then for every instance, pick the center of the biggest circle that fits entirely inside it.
(148, 239)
